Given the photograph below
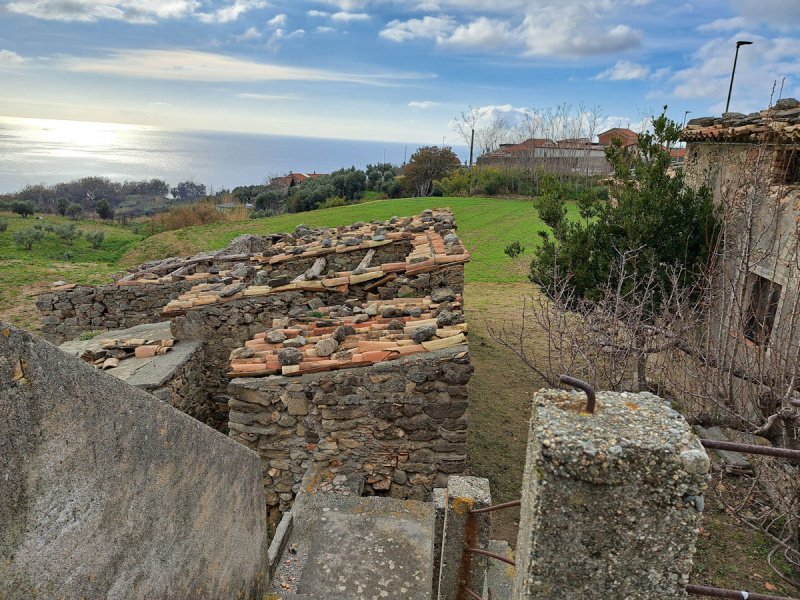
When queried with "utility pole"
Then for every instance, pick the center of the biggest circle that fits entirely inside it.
(733, 71)
(684, 119)
(471, 146)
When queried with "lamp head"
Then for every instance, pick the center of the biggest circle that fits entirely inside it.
(743, 43)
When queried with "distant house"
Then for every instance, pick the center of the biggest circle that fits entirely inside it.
(287, 182)
(626, 137)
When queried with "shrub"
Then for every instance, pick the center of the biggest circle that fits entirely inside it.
(23, 208)
(333, 202)
(74, 211)
(3, 226)
(262, 214)
(68, 233)
(514, 249)
(188, 215)
(26, 238)
(95, 239)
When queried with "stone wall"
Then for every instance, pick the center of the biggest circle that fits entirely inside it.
(400, 425)
(69, 312)
(106, 492)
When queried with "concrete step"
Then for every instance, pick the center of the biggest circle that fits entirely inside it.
(499, 575)
(353, 548)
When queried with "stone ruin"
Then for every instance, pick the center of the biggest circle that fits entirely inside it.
(344, 348)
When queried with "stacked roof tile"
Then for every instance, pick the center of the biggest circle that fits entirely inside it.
(780, 124)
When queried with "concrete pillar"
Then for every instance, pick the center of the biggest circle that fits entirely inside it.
(439, 505)
(462, 530)
(611, 501)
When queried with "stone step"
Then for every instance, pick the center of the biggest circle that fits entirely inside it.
(499, 575)
(353, 548)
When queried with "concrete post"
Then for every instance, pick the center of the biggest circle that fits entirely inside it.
(439, 505)
(459, 568)
(610, 501)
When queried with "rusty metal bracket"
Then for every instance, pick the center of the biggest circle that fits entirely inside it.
(492, 555)
(512, 504)
(591, 399)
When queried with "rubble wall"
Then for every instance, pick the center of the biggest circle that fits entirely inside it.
(106, 492)
(399, 425)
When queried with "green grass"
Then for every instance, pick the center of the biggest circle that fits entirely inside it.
(485, 226)
(25, 272)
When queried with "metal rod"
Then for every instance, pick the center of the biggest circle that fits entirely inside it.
(496, 507)
(739, 44)
(581, 385)
(752, 449)
(492, 555)
(712, 592)
(471, 593)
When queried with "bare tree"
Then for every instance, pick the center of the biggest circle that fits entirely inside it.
(465, 125)
(490, 136)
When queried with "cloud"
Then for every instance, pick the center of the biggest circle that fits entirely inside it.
(267, 97)
(624, 70)
(280, 34)
(133, 11)
(422, 104)
(480, 33)
(191, 65)
(250, 34)
(325, 29)
(317, 13)
(346, 17)
(10, 59)
(231, 12)
(427, 27)
(780, 13)
(759, 66)
(724, 24)
(278, 21)
(562, 28)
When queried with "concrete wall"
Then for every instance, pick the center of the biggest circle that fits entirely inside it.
(106, 492)
(401, 425)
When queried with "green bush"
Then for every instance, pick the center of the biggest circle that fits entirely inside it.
(95, 239)
(514, 249)
(26, 238)
(3, 226)
(68, 233)
(333, 202)
(263, 214)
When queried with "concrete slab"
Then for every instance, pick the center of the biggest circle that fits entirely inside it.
(145, 373)
(358, 549)
(499, 575)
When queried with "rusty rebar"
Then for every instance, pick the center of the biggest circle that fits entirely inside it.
(581, 385)
(492, 555)
(752, 449)
(496, 507)
(712, 592)
(471, 593)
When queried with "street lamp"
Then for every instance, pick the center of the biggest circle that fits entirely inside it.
(685, 114)
(733, 72)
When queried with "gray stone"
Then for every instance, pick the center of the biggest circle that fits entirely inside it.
(295, 342)
(326, 347)
(276, 336)
(423, 334)
(446, 317)
(442, 294)
(243, 271)
(104, 458)
(340, 333)
(289, 356)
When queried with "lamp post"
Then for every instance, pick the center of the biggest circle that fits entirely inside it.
(685, 114)
(733, 72)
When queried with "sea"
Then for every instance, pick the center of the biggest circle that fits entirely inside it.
(48, 151)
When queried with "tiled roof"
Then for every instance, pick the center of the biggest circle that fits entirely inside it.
(382, 330)
(779, 124)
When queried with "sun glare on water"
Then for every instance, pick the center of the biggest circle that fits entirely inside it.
(76, 136)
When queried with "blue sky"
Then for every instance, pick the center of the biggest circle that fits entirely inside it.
(386, 69)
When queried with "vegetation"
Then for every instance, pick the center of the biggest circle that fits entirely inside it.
(104, 210)
(514, 249)
(74, 211)
(428, 164)
(349, 184)
(23, 208)
(95, 239)
(28, 237)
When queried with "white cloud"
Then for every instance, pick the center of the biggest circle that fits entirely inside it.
(9, 58)
(427, 27)
(266, 97)
(758, 67)
(280, 34)
(190, 65)
(624, 70)
(250, 34)
(278, 21)
(780, 13)
(346, 17)
(422, 104)
(325, 29)
(133, 11)
(724, 24)
(231, 12)
(480, 33)
(317, 13)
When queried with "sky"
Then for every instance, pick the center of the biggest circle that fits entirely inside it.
(395, 70)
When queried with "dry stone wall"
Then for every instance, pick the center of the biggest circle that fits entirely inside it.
(400, 426)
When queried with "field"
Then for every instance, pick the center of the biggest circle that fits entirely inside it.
(501, 388)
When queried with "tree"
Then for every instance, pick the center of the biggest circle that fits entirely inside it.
(465, 125)
(61, 206)
(428, 164)
(74, 211)
(270, 199)
(188, 191)
(26, 238)
(23, 208)
(104, 210)
(95, 239)
(68, 233)
(493, 134)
